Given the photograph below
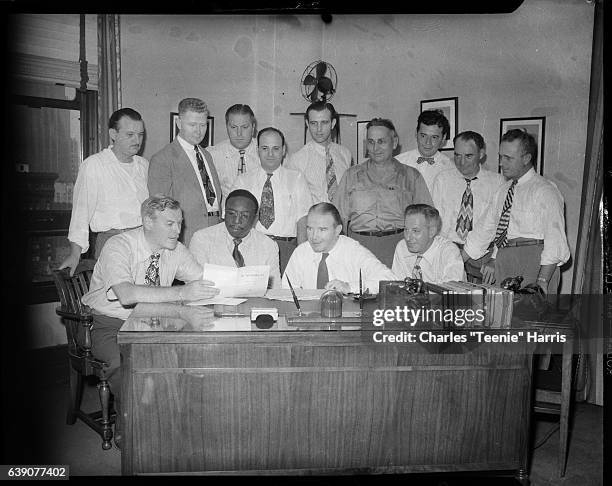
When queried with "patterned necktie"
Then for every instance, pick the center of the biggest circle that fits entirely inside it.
(241, 167)
(466, 211)
(330, 174)
(322, 275)
(416, 270)
(501, 235)
(206, 182)
(238, 258)
(429, 160)
(152, 272)
(266, 209)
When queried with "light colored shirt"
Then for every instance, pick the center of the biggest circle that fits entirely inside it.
(537, 212)
(441, 262)
(292, 199)
(345, 260)
(447, 194)
(191, 155)
(427, 170)
(310, 160)
(125, 258)
(215, 245)
(227, 160)
(107, 195)
(378, 205)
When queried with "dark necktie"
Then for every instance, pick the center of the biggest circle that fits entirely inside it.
(266, 210)
(206, 182)
(466, 211)
(322, 275)
(416, 270)
(241, 167)
(429, 160)
(236, 253)
(152, 272)
(501, 235)
(330, 174)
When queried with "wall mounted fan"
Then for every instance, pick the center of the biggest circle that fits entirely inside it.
(319, 81)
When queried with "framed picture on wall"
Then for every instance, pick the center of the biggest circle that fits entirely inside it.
(449, 107)
(534, 125)
(362, 144)
(208, 139)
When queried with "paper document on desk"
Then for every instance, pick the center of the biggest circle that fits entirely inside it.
(218, 300)
(250, 281)
(301, 294)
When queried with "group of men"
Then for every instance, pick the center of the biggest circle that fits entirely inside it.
(316, 219)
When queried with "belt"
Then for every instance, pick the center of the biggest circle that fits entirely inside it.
(379, 233)
(213, 213)
(524, 242)
(281, 238)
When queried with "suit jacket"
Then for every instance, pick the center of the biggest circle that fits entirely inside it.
(171, 173)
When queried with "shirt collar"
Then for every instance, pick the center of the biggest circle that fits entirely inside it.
(143, 248)
(427, 254)
(186, 145)
(230, 239)
(526, 177)
(318, 148)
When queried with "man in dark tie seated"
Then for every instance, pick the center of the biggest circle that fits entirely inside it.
(236, 242)
(329, 260)
(138, 267)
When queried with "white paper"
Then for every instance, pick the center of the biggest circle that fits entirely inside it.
(250, 281)
(302, 294)
(218, 300)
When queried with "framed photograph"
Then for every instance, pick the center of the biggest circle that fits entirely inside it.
(209, 138)
(534, 125)
(362, 143)
(449, 107)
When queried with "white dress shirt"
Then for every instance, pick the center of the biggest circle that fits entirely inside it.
(537, 212)
(441, 262)
(191, 154)
(227, 160)
(447, 193)
(427, 170)
(310, 160)
(107, 195)
(125, 258)
(215, 245)
(292, 198)
(345, 260)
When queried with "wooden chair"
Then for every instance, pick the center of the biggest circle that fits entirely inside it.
(78, 321)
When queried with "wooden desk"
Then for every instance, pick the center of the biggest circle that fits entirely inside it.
(283, 401)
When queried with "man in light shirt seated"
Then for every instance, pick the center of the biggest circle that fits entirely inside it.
(423, 253)
(329, 260)
(110, 187)
(236, 242)
(133, 277)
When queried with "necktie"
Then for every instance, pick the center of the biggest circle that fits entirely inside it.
(501, 235)
(241, 167)
(152, 272)
(330, 174)
(236, 253)
(416, 270)
(429, 160)
(322, 275)
(266, 210)
(206, 182)
(466, 211)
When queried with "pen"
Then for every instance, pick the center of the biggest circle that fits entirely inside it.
(360, 291)
(295, 299)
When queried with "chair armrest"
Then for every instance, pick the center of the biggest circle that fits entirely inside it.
(73, 316)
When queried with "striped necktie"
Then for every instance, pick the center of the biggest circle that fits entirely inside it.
(466, 211)
(241, 167)
(330, 174)
(501, 235)
(322, 274)
(238, 258)
(266, 209)
(152, 272)
(206, 182)
(416, 270)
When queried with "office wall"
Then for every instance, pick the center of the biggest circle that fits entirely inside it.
(533, 62)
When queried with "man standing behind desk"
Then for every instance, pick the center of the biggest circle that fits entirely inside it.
(235, 242)
(431, 132)
(185, 171)
(238, 154)
(329, 260)
(524, 227)
(283, 194)
(321, 161)
(109, 188)
(138, 267)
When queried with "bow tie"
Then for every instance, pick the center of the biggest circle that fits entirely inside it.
(429, 160)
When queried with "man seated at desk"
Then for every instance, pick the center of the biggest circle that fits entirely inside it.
(329, 260)
(236, 242)
(138, 267)
(423, 253)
